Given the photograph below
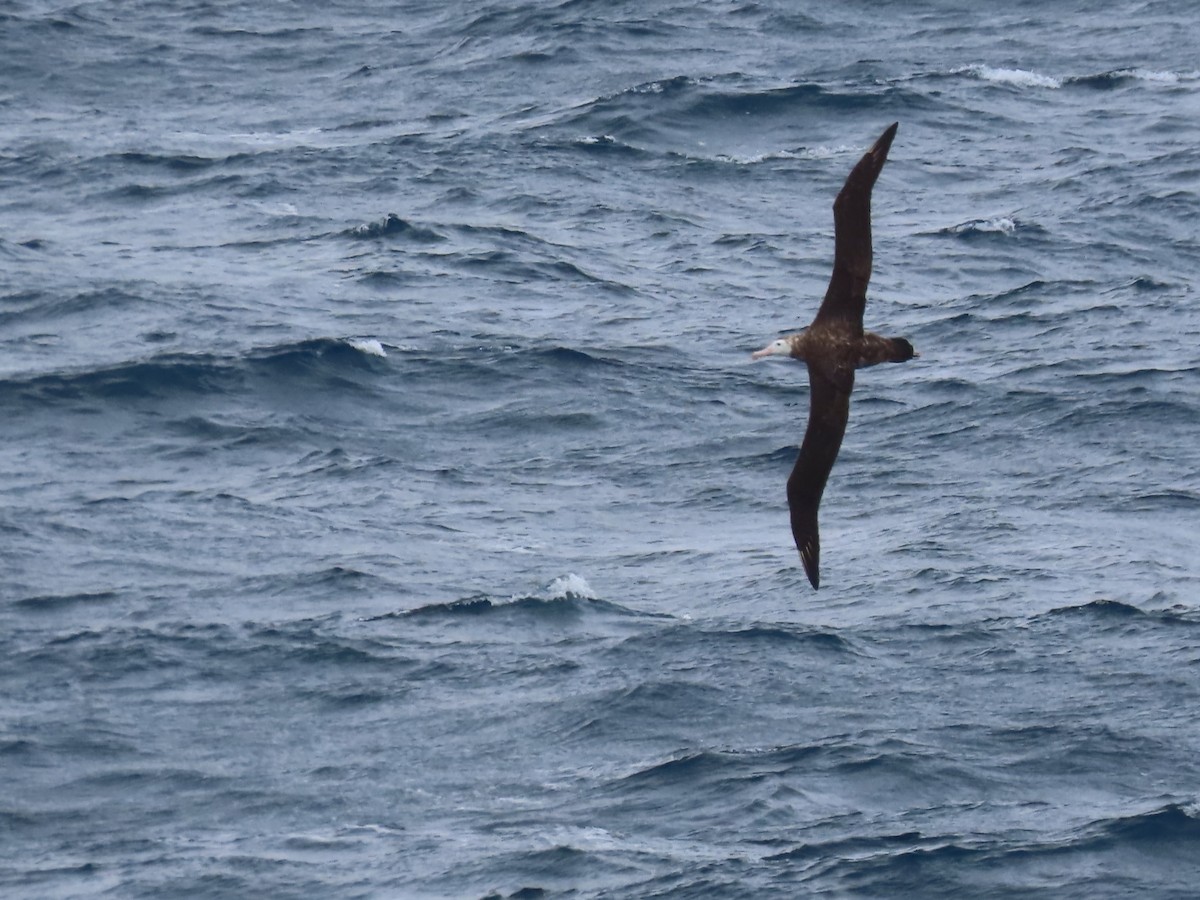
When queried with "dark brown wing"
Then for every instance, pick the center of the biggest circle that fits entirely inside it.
(846, 296)
(829, 409)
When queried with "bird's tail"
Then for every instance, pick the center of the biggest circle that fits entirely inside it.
(902, 350)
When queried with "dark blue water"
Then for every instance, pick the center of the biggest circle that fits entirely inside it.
(389, 507)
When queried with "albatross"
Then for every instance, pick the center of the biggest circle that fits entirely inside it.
(832, 347)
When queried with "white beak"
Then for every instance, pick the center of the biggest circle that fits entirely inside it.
(772, 349)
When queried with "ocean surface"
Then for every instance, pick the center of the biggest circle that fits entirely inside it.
(389, 506)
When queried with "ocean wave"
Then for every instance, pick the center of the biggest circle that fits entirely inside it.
(1118, 77)
(458, 365)
(205, 431)
(394, 227)
(784, 634)
(567, 596)
(691, 768)
(142, 192)
(789, 99)
(855, 847)
(1167, 498)
(1027, 78)
(1173, 824)
(537, 360)
(500, 252)
(384, 280)
(571, 357)
(171, 162)
(725, 766)
(1109, 611)
(1102, 608)
(611, 711)
(51, 602)
(340, 577)
(1143, 284)
(645, 114)
(955, 864)
(1113, 379)
(483, 605)
(996, 227)
(324, 659)
(18, 249)
(1127, 406)
(1010, 77)
(818, 152)
(369, 346)
(999, 225)
(689, 637)
(158, 377)
(606, 144)
(1035, 294)
(174, 374)
(505, 265)
(46, 308)
(570, 587)
(320, 356)
(114, 653)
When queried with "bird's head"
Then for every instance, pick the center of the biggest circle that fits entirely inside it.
(781, 347)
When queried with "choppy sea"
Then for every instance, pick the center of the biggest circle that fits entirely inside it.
(389, 506)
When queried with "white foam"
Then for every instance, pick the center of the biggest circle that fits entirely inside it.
(1000, 224)
(1016, 77)
(369, 346)
(1161, 77)
(570, 585)
(372, 828)
(1156, 77)
(658, 87)
(756, 158)
(821, 152)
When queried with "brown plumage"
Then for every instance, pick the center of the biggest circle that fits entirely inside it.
(833, 346)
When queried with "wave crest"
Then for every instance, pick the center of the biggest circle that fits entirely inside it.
(1011, 77)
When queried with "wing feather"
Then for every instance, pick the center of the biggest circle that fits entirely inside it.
(846, 297)
(829, 410)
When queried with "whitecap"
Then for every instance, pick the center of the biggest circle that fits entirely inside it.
(1158, 77)
(369, 346)
(820, 152)
(756, 158)
(998, 225)
(1015, 77)
(1147, 75)
(824, 152)
(569, 586)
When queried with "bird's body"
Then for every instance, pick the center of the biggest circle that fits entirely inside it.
(833, 347)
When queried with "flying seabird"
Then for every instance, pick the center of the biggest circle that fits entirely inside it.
(832, 347)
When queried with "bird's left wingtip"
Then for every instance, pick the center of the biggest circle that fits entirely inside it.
(885, 139)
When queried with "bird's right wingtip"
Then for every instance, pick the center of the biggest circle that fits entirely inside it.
(811, 567)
